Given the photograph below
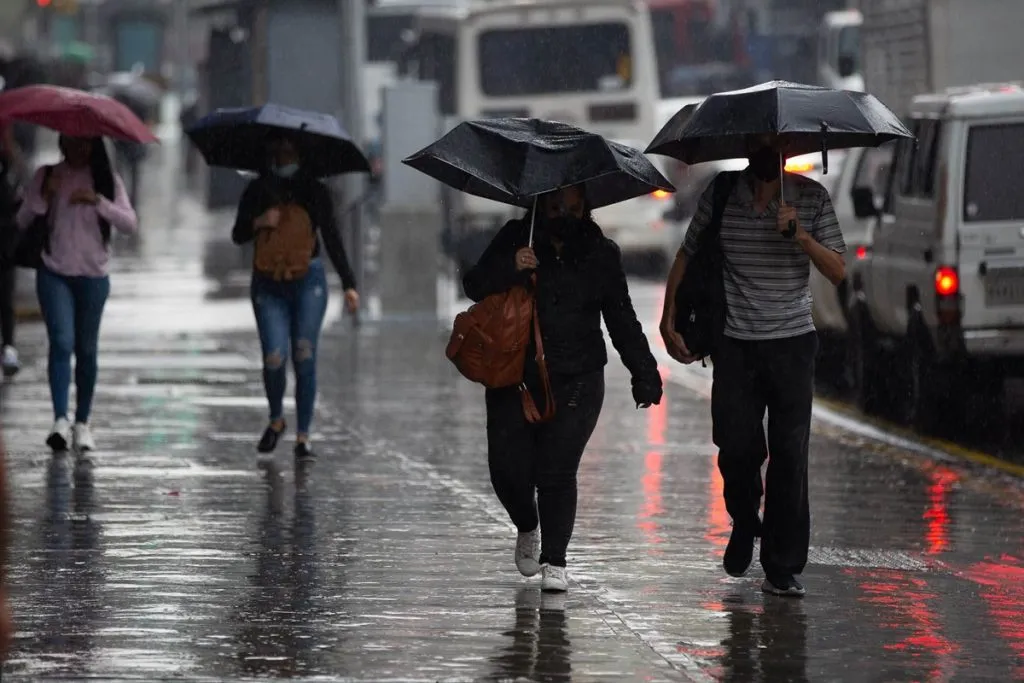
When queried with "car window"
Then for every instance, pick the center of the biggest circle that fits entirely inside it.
(872, 171)
(991, 193)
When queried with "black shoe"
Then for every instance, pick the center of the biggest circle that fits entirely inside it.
(740, 551)
(303, 451)
(268, 442)
(784, 585)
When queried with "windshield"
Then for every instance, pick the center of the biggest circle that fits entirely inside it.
(990, 193)
(555, 59)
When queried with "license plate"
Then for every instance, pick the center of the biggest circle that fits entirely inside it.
(1005, 290)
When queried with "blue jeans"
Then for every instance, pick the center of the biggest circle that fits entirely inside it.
(72, 308)
(289, 316)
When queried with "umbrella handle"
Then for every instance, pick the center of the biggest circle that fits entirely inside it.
(791, 228)
(533, 220)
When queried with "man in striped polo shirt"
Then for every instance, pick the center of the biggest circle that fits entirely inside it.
(766, 359)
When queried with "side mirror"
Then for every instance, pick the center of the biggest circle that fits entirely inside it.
(863, 202)
(846, 66)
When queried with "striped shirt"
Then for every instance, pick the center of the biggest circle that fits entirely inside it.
(767, 287)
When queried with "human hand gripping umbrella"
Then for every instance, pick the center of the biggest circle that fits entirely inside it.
(805, 118)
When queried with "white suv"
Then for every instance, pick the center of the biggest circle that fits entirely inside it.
(938, 320)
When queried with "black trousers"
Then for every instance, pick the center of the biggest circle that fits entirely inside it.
(8, 280)
(527, 459)
(750, 377)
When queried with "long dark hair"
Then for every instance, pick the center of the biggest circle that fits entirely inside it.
(102, 180)
(102, 177)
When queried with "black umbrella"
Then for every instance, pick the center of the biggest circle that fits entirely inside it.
(808, 118)
(514, 160)
(236, 138)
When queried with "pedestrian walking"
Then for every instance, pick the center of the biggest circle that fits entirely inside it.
(11, 173)
(765, 359)
(81, 201)
(580, 278)
(285, 212)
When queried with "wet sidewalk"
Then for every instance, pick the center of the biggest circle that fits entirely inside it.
(173, 556)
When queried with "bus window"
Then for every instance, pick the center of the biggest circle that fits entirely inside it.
(555, 59)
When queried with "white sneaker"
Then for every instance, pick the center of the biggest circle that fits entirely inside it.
(83, 438)
(60, 435)
(10, 361)
(527, 552)
(555, 579)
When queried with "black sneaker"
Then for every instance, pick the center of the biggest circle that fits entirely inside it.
(304, 452)
(740, 551)
(784, 585)
(268, 442)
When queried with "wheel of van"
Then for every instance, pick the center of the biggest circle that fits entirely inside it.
(927, 403)
(866, 367)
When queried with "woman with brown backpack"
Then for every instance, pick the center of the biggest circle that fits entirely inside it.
(579, 278)
(284, 212)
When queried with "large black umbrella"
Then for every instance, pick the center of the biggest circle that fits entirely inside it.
(513, 160)
(236, 138)
(808, 118)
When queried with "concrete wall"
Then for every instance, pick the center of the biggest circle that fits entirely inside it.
(304, 65)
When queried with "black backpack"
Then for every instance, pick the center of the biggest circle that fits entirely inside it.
(700, 298)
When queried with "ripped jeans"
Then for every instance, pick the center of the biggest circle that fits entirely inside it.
(289, 316)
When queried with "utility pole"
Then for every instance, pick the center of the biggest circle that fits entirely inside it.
(181, 28)
(352, 19)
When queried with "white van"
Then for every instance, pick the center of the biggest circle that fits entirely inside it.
(587, 63)
(939, 318)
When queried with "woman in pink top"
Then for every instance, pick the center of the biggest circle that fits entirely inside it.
(85, 199)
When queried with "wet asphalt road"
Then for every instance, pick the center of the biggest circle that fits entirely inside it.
(172, 555)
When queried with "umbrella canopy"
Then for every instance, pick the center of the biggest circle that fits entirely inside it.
(73, 112)
(236, 138)
(513, 160)
(808, 118)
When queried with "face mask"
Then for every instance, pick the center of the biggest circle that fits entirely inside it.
(286, 171)
(563, 227)
(764, 164)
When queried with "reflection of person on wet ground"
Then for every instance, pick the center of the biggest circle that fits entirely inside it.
(766, 643)
(6, 622)
(540, 649)
(85, 200)
(276, 624)
(286, 211)
(579, 278)
(66, 572)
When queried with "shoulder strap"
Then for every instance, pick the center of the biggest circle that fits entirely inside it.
(725, 182)
(533, 415)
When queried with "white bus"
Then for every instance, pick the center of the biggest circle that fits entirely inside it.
(590, 63)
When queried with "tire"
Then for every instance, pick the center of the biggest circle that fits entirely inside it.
(867, 370)
(928, 402)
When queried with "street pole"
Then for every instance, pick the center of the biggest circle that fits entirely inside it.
(352, 17)
(182, 29)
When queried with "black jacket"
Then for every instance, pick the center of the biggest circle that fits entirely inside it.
(266, 192)
(573, 291)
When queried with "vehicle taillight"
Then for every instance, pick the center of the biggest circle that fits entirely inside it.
(794, 166)
(947, 281)
(862, 253)
(661, 194)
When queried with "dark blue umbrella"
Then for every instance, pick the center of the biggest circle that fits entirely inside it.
(237, 137)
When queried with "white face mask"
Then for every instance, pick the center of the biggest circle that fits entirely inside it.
(286, 171)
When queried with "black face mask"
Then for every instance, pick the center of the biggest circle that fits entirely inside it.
(563, 227)
(764, 164)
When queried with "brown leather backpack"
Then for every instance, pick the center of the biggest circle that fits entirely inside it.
(284, 252)
(489, 341)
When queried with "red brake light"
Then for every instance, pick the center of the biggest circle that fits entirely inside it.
(862, 253)
(947, 281)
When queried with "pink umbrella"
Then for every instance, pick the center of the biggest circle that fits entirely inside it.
(73, 112)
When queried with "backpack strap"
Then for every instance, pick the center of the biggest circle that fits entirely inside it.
(724, 184)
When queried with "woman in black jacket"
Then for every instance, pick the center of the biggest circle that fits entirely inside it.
(579, 279)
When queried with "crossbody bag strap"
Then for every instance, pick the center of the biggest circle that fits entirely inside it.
(533, 415)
